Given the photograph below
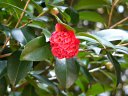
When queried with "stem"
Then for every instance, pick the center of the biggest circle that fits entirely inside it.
(111, 12)
(22, 14)
(121, 21)
(5, 55)
(10, 17)
(71, 3)
(21, 86)
(110, 15)
(97, 69)
(126, 44)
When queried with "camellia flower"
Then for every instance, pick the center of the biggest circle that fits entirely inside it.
(63, 42)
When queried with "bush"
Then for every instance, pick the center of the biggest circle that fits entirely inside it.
(34, 61)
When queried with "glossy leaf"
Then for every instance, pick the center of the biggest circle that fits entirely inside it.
(66, 71)
(16, 69)
(36, 50)
(22, 35)
(93, 38)
(18, 35)
(122, 49)
(113, 34)
(116, 66)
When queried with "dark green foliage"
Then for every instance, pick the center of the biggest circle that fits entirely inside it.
(27, 66)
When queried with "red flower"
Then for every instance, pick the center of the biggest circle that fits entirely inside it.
(63, 42)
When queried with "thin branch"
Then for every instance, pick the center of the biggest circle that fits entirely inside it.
(110, 15)
(97, 69)
(10, 17)
(84, 50)
(31, 20)
(22, 14)
(71, 3)
(19, 87)
(126, 44)
(111, 12)
(121, 21)
(7, 39)
(5, 55)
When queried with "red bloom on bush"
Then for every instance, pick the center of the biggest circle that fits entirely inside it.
(63, 42)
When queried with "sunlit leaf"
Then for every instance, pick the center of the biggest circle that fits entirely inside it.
(36, 50)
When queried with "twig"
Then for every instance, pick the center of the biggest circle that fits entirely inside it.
(71, 3)
(31, 20)
(10, 17)
(20, 86)
(126, 44)
(5, 55)
(121, 21)
(111, 12)
(96, 69)
(21, 16)
(84, 50)
(7, 39)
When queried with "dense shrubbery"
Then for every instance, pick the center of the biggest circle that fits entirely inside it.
(27, 65)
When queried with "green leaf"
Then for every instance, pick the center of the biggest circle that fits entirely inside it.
(18, 35)
(36, 50)
(3, 68)
(36, 6)
(113, 34)
(44, 90)
(57, 1)
(15, 7)
(22, 35)
(91, 16)
(87, 74)
(81, 82)
(66, 17)
(73, 14)
(89, 4)
(5, 29)
(44, 31)
(3, 65)
(16, 69)
(67, 71)
(122, 49)
(94, 38)
(97, 89)
(43, 79)
(29, 91)
(116, 66)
